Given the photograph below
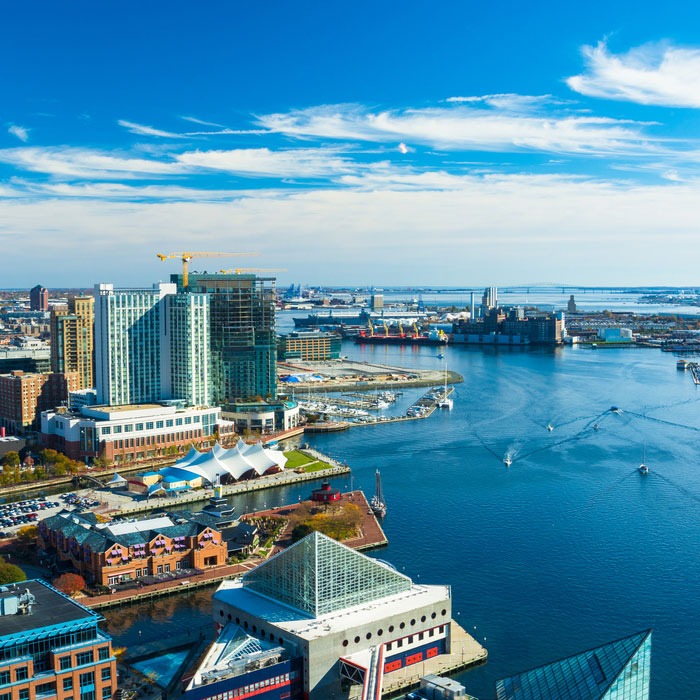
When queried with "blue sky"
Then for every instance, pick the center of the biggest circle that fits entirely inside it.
(413, 143)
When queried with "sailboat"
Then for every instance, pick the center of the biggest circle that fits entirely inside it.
(445, 401)
(377, 503)
(643, 468)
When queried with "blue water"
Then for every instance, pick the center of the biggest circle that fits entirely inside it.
(568, 548)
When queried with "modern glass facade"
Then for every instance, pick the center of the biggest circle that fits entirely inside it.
(128, 344)
(187, 334)
(242, 334)
(319, 576)
(616, 671)
(152, 345)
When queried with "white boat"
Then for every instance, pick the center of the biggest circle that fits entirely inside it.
(444, 401)
(377, 503)
(643, 468)
(550, 427)
(507, 460)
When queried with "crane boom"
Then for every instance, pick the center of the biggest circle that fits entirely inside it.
(187, 257)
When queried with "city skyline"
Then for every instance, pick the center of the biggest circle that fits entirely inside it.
(363, 145)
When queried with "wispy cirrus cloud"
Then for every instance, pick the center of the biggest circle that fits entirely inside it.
(20, 132)
(201, 122)
(652, 74)
(142, 130)
(71, 162)
(263, 162)
(467, 128)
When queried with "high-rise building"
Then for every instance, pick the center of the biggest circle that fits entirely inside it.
(39, 298)
(52, 647)
(151, 345)
(72, 339)
(489, 300)
(619, 670)
(241, 334)
(129, 325)
(187, 375)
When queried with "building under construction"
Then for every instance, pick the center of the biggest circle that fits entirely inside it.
(242, 333)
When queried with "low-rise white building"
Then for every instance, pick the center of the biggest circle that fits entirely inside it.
(128, 433)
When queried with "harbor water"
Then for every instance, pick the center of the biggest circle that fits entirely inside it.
(567, 548)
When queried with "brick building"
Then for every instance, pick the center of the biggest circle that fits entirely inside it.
(52, 647)
(23, 396)
(119, 551)
(39, 298)
(130, 433)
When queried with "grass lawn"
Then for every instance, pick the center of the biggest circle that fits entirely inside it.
(298, 460)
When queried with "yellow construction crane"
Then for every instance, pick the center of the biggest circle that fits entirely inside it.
(243, 270)
(188, 257)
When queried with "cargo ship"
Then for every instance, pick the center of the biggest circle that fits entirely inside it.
(431, 338)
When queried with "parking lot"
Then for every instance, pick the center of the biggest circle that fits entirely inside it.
(16, 515)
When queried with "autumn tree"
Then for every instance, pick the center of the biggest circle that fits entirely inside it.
(70, 584)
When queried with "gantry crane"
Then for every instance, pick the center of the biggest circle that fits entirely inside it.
(188, 257)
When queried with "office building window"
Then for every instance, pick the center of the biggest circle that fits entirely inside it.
(87, 679)
(21, 673)
(84, 658)
(106, 674)
(4, 678)
(65, 663)
(106, 692)
(103, 653)
(68, 683)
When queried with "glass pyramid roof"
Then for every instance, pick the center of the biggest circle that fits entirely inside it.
(616, 671)
(319, 576)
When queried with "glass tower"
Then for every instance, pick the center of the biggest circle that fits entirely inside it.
(151, 345)
(242, 334)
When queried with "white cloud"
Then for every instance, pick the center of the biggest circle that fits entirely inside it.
(653, 74)
(20, 132)
(549, 221)
(142, 130)
(194, 120)
(117, 191)
(507, 101)
(467, 129)
(227, 132)
(84, 163)
(262, 162)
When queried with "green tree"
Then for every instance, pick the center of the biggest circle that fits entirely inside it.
(11, 459)
(9, 573)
